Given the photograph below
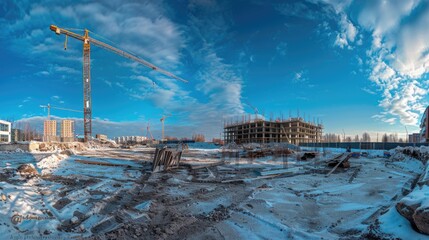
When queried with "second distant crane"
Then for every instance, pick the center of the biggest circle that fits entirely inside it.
(49, 109)
(87, 41)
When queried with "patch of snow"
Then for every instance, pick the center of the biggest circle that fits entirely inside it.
(353, 206)
(144, 206)
(393, 223)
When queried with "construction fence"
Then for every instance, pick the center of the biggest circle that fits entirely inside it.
(363, 145)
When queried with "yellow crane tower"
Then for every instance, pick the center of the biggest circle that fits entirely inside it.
(87, 41)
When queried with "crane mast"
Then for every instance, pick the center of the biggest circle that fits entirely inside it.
(87, 41)
(87, 103)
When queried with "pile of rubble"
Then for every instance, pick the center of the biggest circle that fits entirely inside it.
(53, 146)
(415, 206)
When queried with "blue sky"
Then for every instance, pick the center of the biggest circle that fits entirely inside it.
(353, 65)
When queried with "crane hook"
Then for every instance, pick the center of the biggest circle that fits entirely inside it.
(65, 43)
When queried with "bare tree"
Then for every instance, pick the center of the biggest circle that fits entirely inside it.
(330, 137)
(366, 137)
(357, 138)
(199, 138)
(393, 137)
(385, 138)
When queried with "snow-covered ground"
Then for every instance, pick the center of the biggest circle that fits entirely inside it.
(73, 197)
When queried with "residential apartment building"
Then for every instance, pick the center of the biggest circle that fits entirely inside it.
(101, 137)
(424, 126)
(414, 138)
(293, 130)
(136, 139)
(67, 131)
(5, 131)
(50, 131)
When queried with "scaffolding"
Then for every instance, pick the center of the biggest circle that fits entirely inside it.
(292, 130)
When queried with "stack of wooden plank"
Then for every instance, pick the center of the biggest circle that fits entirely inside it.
(166, 159)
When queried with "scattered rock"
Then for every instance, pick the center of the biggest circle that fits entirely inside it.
(68, 152)
(421, 219)
(415, 208)
(406, 210)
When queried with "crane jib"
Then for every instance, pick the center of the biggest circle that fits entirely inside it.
(86, 69)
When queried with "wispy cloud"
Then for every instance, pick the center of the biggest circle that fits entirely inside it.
(27, 99)
(300, 76)
(368, 91)
(108, 83)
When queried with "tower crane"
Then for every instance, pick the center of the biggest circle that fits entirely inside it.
(148, 132)
(87, 42)
(162, 121)
(49, 109)
(254, 109)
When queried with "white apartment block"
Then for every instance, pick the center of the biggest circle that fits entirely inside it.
(5, 131)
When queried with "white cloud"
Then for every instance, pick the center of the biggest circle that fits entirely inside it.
(398, 57)
(347, 34)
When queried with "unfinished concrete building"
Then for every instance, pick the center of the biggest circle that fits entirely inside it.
(292, 130)
(67, 131)
(50, 131)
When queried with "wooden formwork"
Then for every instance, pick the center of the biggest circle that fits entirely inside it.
(165, 159)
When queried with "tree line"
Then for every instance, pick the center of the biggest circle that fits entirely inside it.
(332, 137)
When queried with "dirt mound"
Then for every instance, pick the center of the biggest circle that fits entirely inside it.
(27, 170)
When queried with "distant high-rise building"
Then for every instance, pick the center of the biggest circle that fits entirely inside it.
(424, 126)
(67, 131)
(5, 131)
(50, 130)
(414, 138)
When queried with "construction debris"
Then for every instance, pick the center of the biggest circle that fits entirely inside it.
(165, 159)
(340, 160)
(308, 155)
(102, 163)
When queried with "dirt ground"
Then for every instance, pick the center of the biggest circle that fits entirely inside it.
(240, 199)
